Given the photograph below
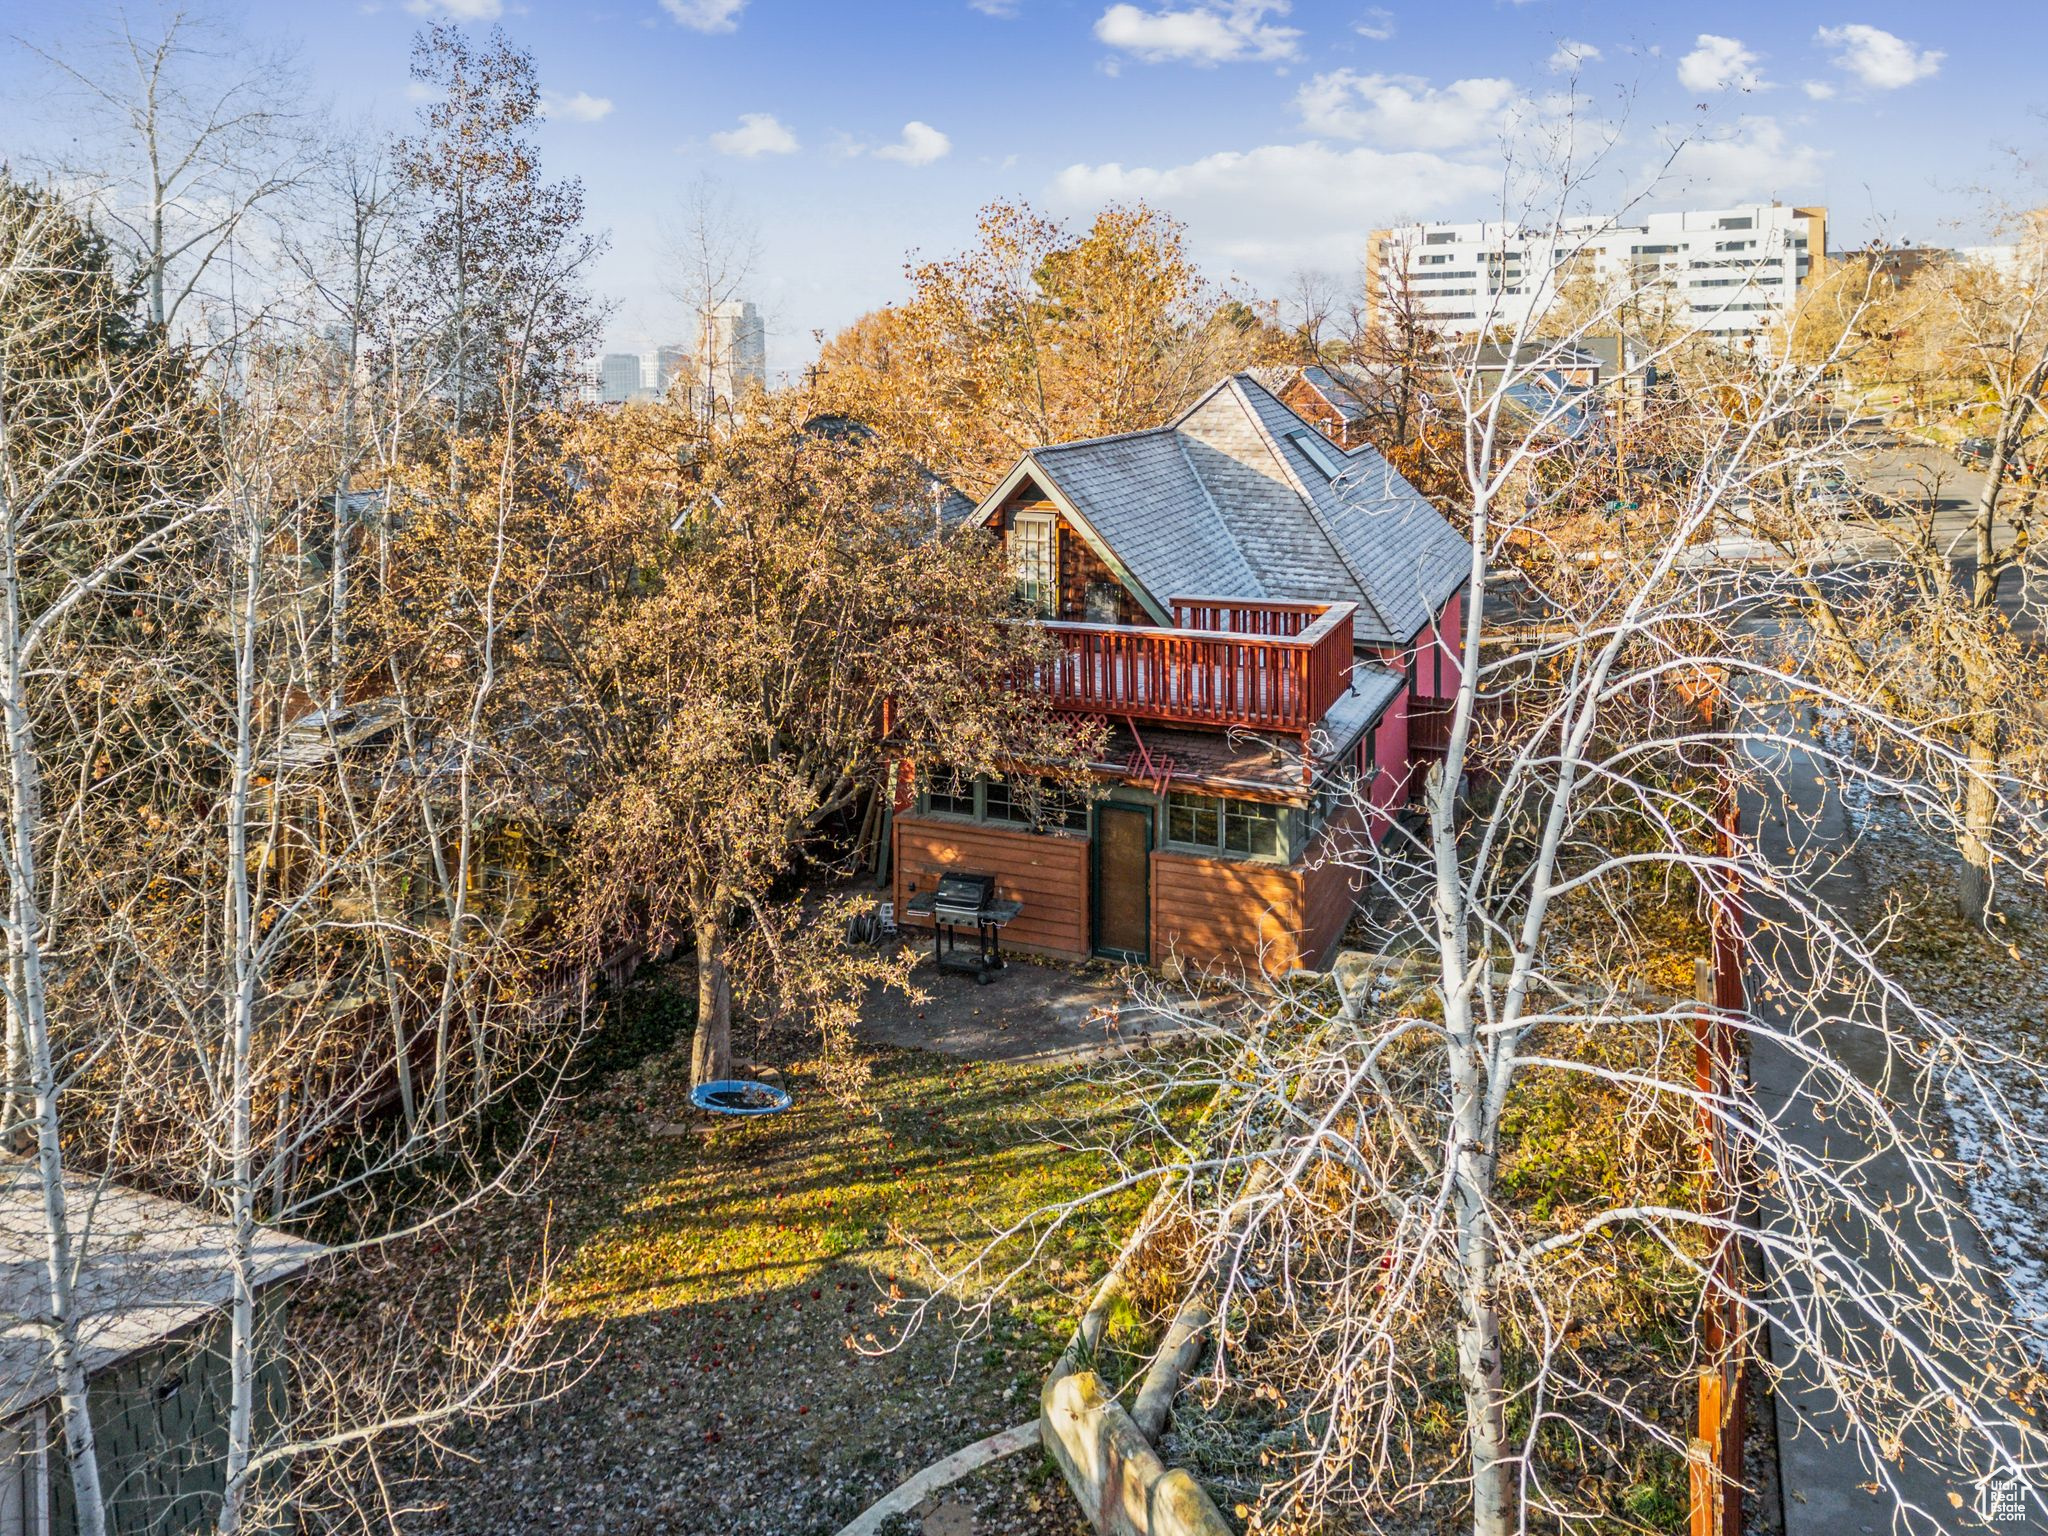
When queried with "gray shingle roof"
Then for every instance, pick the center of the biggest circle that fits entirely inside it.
(1224, 503)
(1141, 493)
(145, 1267)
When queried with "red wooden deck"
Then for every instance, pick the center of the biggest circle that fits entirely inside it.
(1226, 662)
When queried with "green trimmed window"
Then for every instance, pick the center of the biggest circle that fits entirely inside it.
(1251, 829)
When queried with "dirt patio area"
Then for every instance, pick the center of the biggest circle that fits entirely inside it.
(1031, 1011)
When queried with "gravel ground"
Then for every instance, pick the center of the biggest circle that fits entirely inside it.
(1996, 985)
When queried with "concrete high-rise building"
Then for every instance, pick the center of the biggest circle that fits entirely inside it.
(1727, 271)
(732, 350)
(620, 378)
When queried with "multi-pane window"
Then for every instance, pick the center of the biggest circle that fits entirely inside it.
(1207, 824)
(1032, 803)
(1252, 827)
(1193, 821)
(1034, 560)
(950, 795)
(1018, 802)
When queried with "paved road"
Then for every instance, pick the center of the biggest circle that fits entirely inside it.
(1930, 479)
(1825, 1478)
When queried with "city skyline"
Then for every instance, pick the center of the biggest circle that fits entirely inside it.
(1281, 135)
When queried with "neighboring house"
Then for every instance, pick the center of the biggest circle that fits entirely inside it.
(1261, 618)
(1330, 398)
(153, 1284)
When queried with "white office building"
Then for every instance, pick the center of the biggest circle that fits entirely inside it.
(732, 350)
(1726, 271)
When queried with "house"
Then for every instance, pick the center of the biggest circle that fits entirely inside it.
(1266, 623)
(1329, 397)
(153, 1285)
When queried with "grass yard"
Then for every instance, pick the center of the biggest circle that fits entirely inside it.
(738, 1283)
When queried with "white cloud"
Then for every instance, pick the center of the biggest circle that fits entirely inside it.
(1719, 64)
(706, 15)
(1753, 158)
(1402, 111)
(1202, 34)
(1877, 58)
(1819, 90)
(1269, 210)
(1377, 23)
(458, 10)
(921, 144)
(580, 108)
(758, 134)
(1003, 9)
(1570, 54)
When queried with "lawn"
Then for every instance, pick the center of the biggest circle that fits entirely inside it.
(747, 1285)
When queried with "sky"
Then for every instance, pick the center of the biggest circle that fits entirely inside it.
(856, 133)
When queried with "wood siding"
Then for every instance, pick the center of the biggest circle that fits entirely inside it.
(1079, 566)
(1229, 913)
(1307, 402)
(1047, 871)
(1331, 883)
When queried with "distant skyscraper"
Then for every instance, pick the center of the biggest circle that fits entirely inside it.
(669, 362)
(620, 379)
(732, 352)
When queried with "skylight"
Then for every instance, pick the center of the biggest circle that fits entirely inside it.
(1319, 451)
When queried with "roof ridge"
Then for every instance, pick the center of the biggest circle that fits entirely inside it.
(1315, 512)
(1180, 441)
(1090, 442)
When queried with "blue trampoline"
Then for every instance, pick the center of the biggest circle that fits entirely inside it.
(738, 1096)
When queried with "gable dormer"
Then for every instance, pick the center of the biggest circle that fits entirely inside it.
(1058, 573)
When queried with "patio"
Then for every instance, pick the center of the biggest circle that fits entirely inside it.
(1033, 1010)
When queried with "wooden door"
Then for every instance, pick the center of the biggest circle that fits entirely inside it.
(1123, 881)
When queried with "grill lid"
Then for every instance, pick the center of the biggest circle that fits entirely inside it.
(968, 894)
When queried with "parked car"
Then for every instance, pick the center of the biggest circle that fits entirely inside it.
(2024, 462)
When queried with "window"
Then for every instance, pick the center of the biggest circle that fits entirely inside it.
(1443, 237)
(1252, 827)
(1192, 821)
(1032, 803)
(950, 795)
(1034, 560)
(1020, 802)
(1317, 449)
(1102, 603)
(1207, 824)
(1741, 223)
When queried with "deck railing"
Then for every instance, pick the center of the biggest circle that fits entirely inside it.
(1226, 662)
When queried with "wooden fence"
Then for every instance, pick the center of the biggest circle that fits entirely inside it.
(1716, 1451)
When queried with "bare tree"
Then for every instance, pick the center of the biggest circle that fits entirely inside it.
(1311, 305)
(189, 132)
(713, 249)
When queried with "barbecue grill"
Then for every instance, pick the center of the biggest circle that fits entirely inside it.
(964, 901)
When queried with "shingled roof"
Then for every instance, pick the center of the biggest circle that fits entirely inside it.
(1239, 497)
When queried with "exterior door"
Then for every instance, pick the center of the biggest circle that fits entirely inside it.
(1123, 881)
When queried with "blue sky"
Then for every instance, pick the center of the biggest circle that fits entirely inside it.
(856, 132)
